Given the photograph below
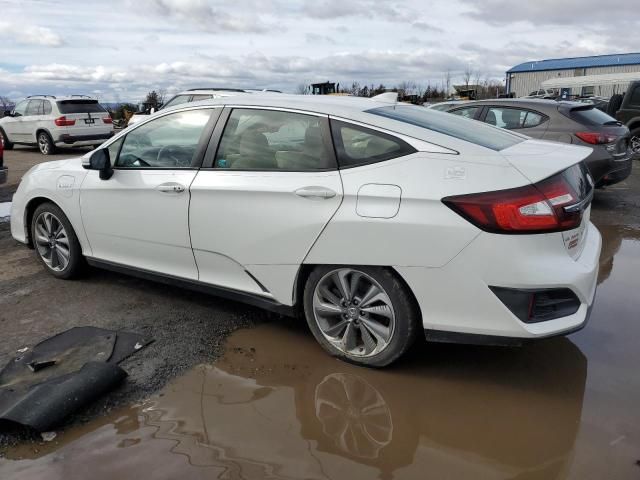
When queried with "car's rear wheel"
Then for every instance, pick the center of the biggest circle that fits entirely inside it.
(5, 140)
(45, 144)
(363, 315)
(634, 143)
(55, 242)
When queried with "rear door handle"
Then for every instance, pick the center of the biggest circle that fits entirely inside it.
(170, 187)
(315, 192)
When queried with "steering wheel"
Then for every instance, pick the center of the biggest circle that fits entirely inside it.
(171, 153)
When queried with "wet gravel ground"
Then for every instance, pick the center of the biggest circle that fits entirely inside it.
(188, 328)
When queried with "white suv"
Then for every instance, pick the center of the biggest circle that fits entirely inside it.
(49, 121)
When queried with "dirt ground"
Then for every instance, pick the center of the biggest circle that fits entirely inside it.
(266, 402)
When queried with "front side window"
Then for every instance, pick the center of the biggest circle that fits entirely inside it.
(467, 112)
(274, 140)
(168, 142)
(34, 107)
(21, 108)
(356, 145)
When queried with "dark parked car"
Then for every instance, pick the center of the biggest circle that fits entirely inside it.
(626, 109)
(3, 169)
(568, 122)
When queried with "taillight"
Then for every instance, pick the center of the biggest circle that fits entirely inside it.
(64, 122)
(107, 120)
(596, 138)
(551, 205)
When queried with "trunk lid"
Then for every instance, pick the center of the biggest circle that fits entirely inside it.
(539, 159)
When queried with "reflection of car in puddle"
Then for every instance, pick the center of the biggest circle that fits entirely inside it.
(286, 410)
(353, 414)
(612, 238)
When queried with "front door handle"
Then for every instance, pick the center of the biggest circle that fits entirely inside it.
(170, 187)
(315, 192)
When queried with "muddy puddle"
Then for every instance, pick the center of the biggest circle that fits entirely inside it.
(275, 406)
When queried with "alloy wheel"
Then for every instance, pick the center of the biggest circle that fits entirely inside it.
(43, 144)
(353, 312)
(634, 144)
(52, 241)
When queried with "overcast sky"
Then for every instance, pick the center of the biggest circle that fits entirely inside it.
(120, 49)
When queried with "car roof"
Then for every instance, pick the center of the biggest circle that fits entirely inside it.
(60, 97)
(535, 103)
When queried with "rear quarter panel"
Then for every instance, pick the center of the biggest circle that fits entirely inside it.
(423, 232)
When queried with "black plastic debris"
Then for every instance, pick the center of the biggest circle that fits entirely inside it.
(44, 385)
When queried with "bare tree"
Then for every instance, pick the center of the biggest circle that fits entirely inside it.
(447, 83)
(162, 95)
(466, 76)
(302, 89)
(5, 103)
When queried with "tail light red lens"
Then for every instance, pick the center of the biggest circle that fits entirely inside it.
(107, 120)
(552, 205)
(64, 122)
(596, 138)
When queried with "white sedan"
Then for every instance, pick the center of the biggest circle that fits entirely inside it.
(373, 220)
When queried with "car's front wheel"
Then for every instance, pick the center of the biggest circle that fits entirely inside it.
(363, 315)
(45, 144)
(55, 242)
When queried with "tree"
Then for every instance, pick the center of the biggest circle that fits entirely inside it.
(302, 89)
(447, 83)
(5, 104)
(466, 76)
(153, 100)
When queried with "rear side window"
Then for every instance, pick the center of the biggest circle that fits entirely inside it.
(47, 107)
(79, 106)
(256, 139)
(468, 130)
(513, 118)
(34, 107)
(356, 145)
(635, 97)
(467, 112)
(591, 116)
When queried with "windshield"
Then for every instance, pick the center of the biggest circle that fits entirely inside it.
(79, 106)
(455, 126)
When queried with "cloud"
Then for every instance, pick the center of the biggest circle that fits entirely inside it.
(252, 70)
(205, 15)
(29, 35)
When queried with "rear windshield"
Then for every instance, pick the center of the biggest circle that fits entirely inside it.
(177, 100)
(80, 106)
(455, 126)
(591, 116)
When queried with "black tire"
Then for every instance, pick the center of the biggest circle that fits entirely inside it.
(615, 102)
(5, 140)
(634, 143)
(76, 262)
(406, 314)
(45, 144)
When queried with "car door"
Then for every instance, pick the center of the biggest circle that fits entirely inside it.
(29, 122)
(525, 121)
(139, 216)
(262, 199)
(13, 126)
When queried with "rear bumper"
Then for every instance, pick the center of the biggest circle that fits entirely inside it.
(79, 140)
(456, 299)
(606, 169)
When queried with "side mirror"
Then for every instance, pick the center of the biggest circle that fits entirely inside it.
(99, 160)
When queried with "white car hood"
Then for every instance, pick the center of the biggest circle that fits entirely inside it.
(539, 159)
(56, 164)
